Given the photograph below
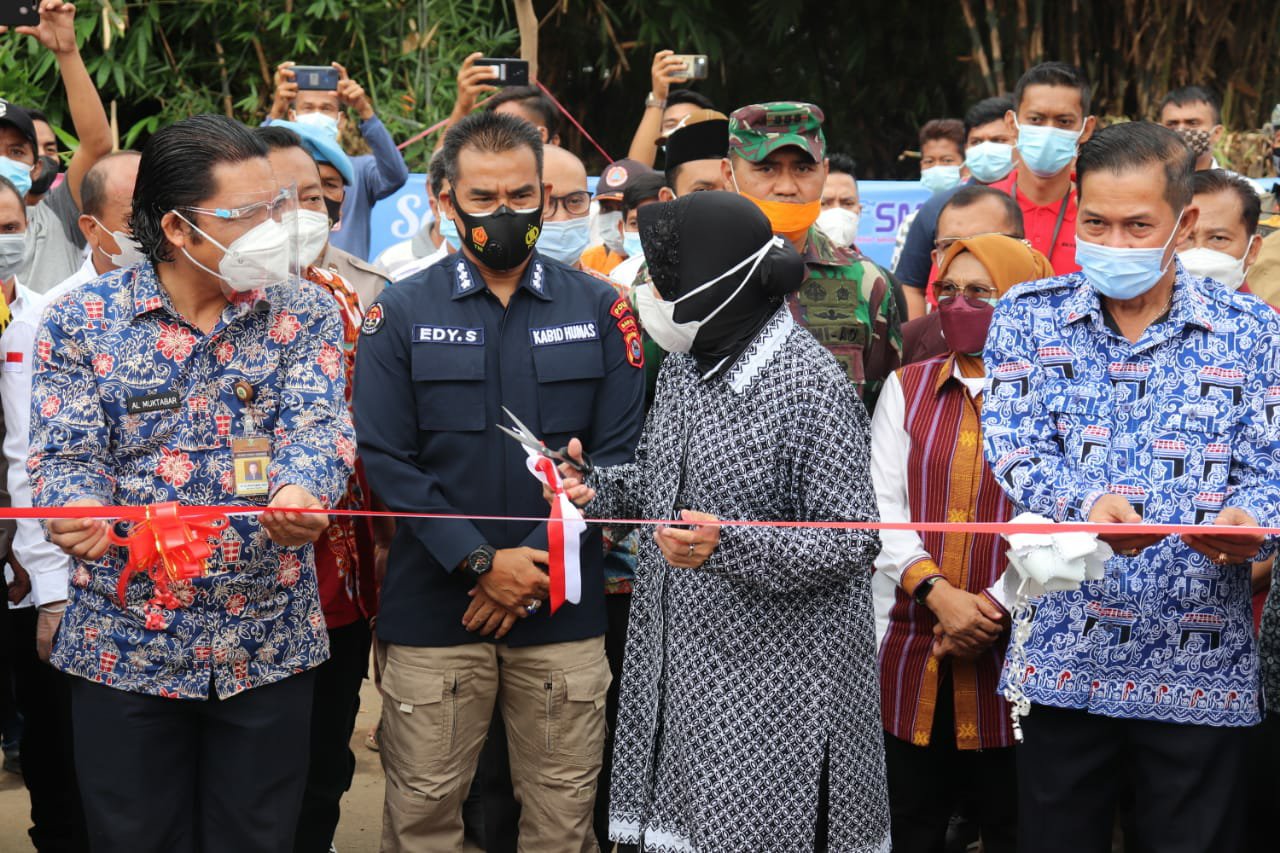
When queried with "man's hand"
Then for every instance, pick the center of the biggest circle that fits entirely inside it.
(21, 586)
(517, 578)
(286, 91)
(48, 619)
(666, 70)
(1114, 509)
(293, 529)
(947, 647)
(82, 538)
(57, 28)
(689, 549)
(352, 94)
(471, 84)
(970, 622)
(485, 616)
(1228, 550)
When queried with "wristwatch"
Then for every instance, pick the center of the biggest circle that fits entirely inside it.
(480, 560)
(924, 588)
(651, 101)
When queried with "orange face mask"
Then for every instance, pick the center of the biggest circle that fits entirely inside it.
(790, 220)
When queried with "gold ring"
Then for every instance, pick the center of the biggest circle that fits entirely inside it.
(1222, 558)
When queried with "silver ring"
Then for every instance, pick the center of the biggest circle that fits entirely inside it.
(1223, 559)
(532, 607)
(691, 549)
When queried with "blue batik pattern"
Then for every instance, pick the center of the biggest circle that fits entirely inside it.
(1183, 423)
(255, 618)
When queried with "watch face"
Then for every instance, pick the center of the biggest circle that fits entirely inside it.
(481, 560)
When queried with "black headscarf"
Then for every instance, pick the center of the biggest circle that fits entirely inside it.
(699, 237)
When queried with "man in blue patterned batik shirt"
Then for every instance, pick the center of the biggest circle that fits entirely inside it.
(187, 378)
(1133, 392)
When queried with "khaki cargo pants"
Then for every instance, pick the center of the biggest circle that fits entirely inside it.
(436, 707)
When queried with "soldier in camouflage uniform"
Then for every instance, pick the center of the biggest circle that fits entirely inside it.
(846, 302)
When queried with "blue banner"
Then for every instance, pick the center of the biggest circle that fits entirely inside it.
(884, 205)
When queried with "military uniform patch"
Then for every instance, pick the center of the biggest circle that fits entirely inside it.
(372, 320)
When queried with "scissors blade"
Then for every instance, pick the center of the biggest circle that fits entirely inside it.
(520, 425)
(528, 441)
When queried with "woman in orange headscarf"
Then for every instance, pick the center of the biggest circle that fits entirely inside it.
(939, 597)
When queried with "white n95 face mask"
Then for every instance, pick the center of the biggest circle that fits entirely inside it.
(130, 251)
(320, 121)
(258, 258)
(657, 315)
(312, 228)
(840, 225)
(1216, 265)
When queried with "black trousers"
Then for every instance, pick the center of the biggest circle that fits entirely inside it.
(180, 776)
(336, 701)
(1184, 784)
(1260, 774)
(929, 783)
(43, 695)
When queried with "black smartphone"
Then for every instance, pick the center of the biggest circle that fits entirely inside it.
(511, 72)
(19, 13)
(316, 78)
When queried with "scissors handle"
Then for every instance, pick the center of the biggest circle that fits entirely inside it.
(584, 468)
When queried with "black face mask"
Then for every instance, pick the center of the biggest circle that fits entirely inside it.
(48, 173)
(334, 208)
(501, 240)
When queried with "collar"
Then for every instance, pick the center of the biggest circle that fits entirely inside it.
(751, 363)
(149, 295)
(818, 249)
(949, 371)
(1190, 306)
(466, 280)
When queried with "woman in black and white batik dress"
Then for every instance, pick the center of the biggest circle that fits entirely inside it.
(749, 717)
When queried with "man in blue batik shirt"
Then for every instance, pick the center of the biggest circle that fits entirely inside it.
(1134, 392)
(172, 380)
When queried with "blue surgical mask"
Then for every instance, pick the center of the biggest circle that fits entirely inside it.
(18, 174)
(565, 241)
(988, 162)
(1047, 150)
(320, 121)
(631, 244)
(939, 179)
(449, 231)
(1123, 273)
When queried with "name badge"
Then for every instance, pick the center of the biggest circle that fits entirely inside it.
(250, 459)
(163, 401)
(569, 333)
(448, 335)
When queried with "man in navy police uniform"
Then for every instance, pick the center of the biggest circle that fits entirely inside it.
(463, 618)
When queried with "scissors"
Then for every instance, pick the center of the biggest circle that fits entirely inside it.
(533, 444)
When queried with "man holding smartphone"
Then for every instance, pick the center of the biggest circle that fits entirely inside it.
(377, 175)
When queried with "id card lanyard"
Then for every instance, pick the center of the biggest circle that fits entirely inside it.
(1057, 225)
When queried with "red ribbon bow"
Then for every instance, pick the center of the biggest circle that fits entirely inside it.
(170, 544)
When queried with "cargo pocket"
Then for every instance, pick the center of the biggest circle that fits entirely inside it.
(568, 376)
(448, 382)
(575, 711)
(423, 705)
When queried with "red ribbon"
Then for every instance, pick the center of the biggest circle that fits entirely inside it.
(169, 544)
(555, 535)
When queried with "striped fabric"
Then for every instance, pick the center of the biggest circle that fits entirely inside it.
(948, 481)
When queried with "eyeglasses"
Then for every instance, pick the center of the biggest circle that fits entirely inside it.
(576, 203)
(273, 207)
(948, 290)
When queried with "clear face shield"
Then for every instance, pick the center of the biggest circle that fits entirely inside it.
(259, 244)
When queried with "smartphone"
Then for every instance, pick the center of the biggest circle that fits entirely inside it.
(511, 72)
(20, 13)
(695, 65)
(316, 78)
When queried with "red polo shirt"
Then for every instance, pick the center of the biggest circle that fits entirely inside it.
(1040, 221)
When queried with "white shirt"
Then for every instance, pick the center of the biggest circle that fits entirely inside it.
(890, 449)
(405, 270)
(47, 565)
(85, 274)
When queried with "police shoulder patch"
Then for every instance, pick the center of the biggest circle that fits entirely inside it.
(372, 320)
(626, 323)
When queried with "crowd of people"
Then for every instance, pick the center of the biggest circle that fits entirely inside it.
(1075, 325)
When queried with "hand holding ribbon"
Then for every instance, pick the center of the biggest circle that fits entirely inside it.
(564, 534)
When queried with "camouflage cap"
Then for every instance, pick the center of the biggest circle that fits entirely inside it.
(758, 130)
